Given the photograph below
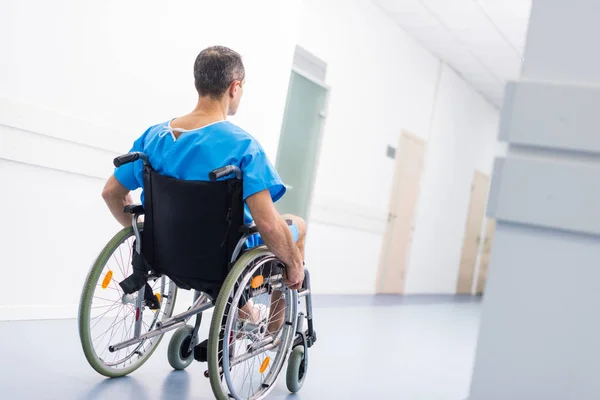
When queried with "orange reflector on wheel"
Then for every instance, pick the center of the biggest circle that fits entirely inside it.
(257, 281)
(107, 279)
(156, 307)
(265, 364)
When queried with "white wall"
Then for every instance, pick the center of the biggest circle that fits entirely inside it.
(382, 82)
(79, 81)
(126, 65)
(462, 139)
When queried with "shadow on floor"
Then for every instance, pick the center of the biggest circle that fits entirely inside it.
(176, 386)
(116, 388)
(334, 301)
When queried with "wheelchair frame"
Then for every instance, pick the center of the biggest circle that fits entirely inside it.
(202, 301)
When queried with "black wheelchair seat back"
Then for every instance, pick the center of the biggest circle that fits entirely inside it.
(191, 229)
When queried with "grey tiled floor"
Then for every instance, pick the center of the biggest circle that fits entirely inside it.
(413, 348)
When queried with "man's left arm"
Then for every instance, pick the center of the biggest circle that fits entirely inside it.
(117, 197)
(116, 192)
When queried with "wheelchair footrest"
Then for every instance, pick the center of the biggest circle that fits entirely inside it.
(201, 352)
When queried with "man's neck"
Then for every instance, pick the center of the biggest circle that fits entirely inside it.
(207, 111)
(211, 109)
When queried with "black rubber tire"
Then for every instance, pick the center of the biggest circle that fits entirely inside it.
(178, 345)
(296, 370)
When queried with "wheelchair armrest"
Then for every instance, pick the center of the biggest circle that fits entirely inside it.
(134, 209)
(130, 157)
(251, 229)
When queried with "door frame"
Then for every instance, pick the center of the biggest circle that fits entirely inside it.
(307, 75)
(404, 133)
(484, 235)
(481, 234)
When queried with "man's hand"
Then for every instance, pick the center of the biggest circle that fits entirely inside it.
(293, 277)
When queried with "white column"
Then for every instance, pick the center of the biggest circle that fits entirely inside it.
(540, 329)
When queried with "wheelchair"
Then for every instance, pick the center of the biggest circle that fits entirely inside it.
(192, 237)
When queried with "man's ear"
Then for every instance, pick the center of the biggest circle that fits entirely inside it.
(233, 88)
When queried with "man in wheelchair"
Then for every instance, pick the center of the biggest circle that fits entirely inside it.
(253, 276)
(191, 146)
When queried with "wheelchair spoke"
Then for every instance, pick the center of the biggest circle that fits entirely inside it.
(110, 317)
(112, 307)
(117, 287)
(105, 299)
(121, 320)
(249, 316)
(123, 337)
(108, 287)
(237, 350)
(252, 374)
(245, 375)
(112, 334)
(123, 262)
(102, 315)
(114, 257)
(103, 334)
(107, 305)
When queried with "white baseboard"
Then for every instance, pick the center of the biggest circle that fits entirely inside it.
(37, 312)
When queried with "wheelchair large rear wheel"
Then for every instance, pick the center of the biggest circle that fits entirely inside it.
(107, 316)
(246, 349)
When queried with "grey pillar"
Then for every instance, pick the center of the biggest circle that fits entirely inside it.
(540, 328)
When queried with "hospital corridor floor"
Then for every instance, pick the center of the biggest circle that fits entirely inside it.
(369, 347)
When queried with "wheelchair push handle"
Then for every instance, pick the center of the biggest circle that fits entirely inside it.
(225, 171)
(130, 157)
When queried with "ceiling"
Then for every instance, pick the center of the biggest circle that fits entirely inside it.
(483, 40)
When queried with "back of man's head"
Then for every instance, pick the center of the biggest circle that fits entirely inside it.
(215, 69)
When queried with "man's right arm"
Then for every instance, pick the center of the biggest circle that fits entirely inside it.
(277, 236)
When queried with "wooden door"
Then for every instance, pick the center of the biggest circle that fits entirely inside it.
(403, 201)
(485, 255)
(472, 240)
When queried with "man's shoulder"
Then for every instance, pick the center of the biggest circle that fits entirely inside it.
(241, 136)
(236, 130)
(158, 128)
(155, 130)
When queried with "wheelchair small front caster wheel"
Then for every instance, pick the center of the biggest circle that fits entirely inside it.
(178, 353)
(296, 370)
